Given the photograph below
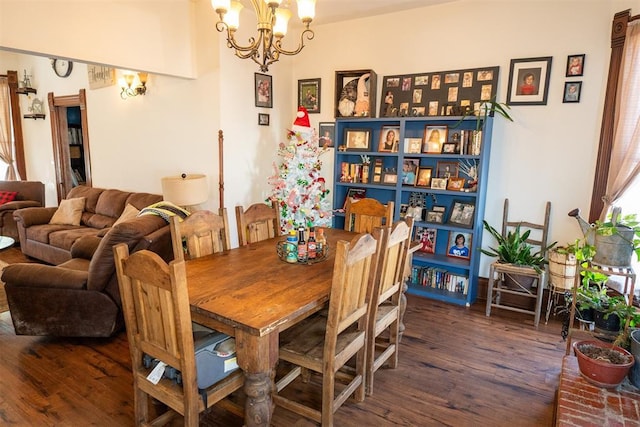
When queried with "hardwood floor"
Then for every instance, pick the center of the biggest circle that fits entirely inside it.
(457, 368)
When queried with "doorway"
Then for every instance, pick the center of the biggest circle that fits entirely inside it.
(70, 135)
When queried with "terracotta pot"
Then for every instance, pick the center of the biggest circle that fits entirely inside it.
(601, 372)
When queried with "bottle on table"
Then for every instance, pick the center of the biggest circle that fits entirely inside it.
(302, 246)
(292, 247)
(321, 242)
(311, 244)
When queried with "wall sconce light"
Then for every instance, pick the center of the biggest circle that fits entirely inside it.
(129, 89)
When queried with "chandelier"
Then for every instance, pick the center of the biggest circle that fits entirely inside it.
(266, 47)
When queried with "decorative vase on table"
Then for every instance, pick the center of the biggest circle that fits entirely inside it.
(602, 364)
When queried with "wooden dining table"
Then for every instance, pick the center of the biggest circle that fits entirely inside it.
(251, 294)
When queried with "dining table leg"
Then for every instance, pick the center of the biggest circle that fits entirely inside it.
(257, 357)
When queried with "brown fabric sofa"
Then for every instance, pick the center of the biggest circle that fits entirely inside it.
(52, 242)
(30, 194)
(80, 298)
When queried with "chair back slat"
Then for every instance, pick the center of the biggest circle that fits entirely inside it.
(353, 274)
(363, 215)
(204, 233)
(259, 222)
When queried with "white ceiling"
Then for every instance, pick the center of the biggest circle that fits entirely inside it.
(329, 11)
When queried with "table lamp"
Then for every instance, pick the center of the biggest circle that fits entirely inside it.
(185, 190)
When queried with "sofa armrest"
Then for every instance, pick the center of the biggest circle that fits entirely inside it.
(43, 276)
(34, 216)
(19, 204)
(85, 247)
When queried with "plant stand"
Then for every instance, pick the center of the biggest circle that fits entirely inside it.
(498, 272)
(629, 276)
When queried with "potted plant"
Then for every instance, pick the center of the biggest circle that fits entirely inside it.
(602, 364)
(614, 240)
(514, 249)
(487, 108)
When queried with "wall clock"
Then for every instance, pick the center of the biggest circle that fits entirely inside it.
(62, 67)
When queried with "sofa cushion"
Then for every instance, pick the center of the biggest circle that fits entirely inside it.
(142, 200)
(64, 239)
(69, 212)
(90, 193)
(7, 196)
(110, 205)
(129, 212)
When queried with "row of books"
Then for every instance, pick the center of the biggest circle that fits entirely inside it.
(439, 278)
(470, 142)
(75, 136)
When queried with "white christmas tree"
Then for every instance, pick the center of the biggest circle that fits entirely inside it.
(298, 188)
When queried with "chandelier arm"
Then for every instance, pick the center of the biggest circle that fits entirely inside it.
(232, 43)
(277, 45)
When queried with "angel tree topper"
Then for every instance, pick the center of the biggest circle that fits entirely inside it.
(298, 188)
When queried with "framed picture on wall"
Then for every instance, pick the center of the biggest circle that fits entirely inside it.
(309, 95)
(263, 90)
(572, 92)
(575, 65)
(529, 81)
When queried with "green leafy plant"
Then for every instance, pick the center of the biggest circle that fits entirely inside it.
(514, 249)
(487, 108)
(609, 227)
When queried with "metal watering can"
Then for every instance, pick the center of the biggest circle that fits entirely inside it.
(614, 250)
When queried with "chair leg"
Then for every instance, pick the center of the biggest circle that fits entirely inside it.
(539, 297)
(490, 291)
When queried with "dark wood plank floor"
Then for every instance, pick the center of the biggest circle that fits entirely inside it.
(457, 368)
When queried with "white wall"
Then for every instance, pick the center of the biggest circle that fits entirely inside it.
(548, 153)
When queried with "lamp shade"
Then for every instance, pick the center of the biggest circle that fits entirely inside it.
(185, 190)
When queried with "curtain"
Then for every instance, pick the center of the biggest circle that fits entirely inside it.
(625, 152)
(6, 141)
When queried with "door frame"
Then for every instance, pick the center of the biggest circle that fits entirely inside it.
(58, 108)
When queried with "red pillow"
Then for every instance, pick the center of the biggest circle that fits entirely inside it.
(7, 196)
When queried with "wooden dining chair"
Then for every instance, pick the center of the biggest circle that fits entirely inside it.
(259, 222)
(385, 311)
(158, 322)
(362, 215)
(201, 233)
(324, 344)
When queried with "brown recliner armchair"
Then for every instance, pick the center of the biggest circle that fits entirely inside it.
(30, 194)
(80, 297)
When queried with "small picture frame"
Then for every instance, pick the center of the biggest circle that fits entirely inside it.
(459, 245)
(427, 237)
(415, 212)
(435, 217)
(439, 183)
(390, 177)
(424, 177)
(354, 194)
(529, 81)
(413, 145)
(377, 171)
(357, 139)
(409, 171)
(309, 94)
(263, 90)
(575, 65)
(389, 139)
(434, 137)
(455, 184)
(450, 148)
(572, 92)
(446, 169)
(462, 214)
(326, 134)
(438, 208)
(263, 119)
